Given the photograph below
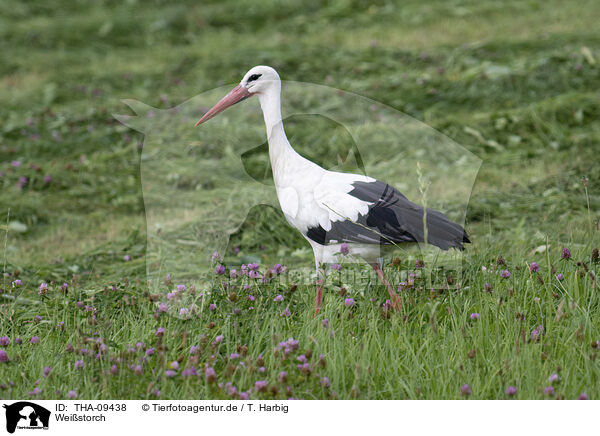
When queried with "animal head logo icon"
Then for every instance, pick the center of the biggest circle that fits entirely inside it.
(25, 414)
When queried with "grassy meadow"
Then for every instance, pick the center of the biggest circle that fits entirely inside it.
(515, 83)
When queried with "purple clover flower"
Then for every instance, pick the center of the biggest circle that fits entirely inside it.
(260, 386)
(17, 283)
(344, 249)
(163, 308)
(210, 374)
(212, 306)
(505, 274)
(336, 267)
(553, 378)
(3, 356)
(537, 332)
(465, 390)
(4, 341)
(47, 371)
(474, 316)
(233, 274)
(511, 391)
(79, 364)
(549, 390)
(160, 331)
(304, 368)
(72, 395)
(170, 373)
(559, 277)
(566, 253)
(220, 270)
(34, 340)
(189, 372)
(278, 298)
(534, 267)
(349, 302)
(583, 396)
(286, 313)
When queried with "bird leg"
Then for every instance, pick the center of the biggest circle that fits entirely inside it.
(319, 297)
(395, 299)
(321, 277)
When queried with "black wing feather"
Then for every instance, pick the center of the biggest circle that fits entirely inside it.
(391, 219)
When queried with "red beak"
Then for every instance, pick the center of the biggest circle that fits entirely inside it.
(236, 95)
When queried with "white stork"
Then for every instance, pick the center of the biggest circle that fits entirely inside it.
(331, 208)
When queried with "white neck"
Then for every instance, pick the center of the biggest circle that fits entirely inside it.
(281, 152)
(270, 103)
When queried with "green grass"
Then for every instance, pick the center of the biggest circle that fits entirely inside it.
(513, 82)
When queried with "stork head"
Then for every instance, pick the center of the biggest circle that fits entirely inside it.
(258, 80)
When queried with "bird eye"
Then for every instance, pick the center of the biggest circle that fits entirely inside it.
(253, 77)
